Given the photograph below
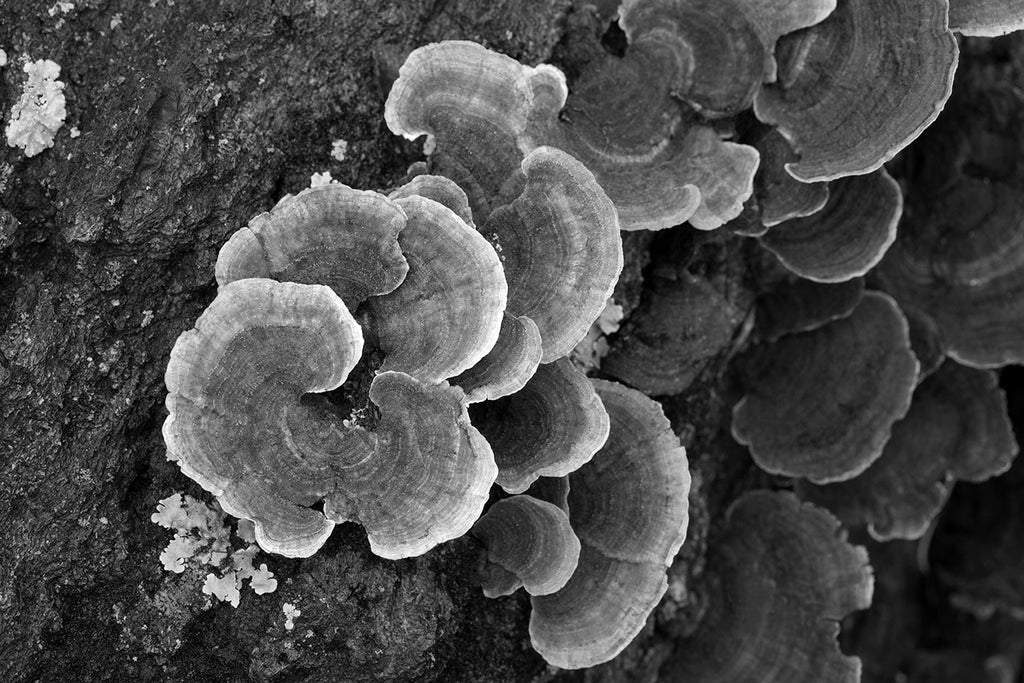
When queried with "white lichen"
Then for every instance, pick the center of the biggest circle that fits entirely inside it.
(339, 148)
(594, 347)
(40, 111)
(291, 612)
(318, 179)
(202, 539)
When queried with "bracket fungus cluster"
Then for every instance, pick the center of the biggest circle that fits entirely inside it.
(385, 359)
(327, 370)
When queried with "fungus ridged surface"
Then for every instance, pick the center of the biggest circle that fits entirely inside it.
(780, 195)
(857, 88)
(560, 247)
(847, 237)
(659, 165)
(508, 365)
(529, 543)
(254, 353)
(427, 480)
(442, 190)
(956, 429)
(785, 577)
(550, 427)
(629, 507)
(328, 235)
(986, 17)
(555, 229)
(472, 104)
(446, 315)
(249, 422)
(804, 305)
(959, 254)
(724, 47)
(684, 322)
(821, 404)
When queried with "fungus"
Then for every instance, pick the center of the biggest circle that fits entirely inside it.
(780, 196)
(560, 247)
(722, 49)
(553, 226)
(956, 429)
(986, 17)
(857, 88)
(659, 165)
(247, 423)
(821, 404)
(447, 313)
(329, 235)
(959, 257)
(628, 506)
(529, 544)
(804, 305)
(472, 104)
(847, 237)
(40, 111)
(508, 366)
(684, 322)
(551, 427)
(785, 576)
(442, 190)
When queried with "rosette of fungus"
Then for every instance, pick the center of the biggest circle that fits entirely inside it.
(629, 507)
(784, 578)
(256, 414)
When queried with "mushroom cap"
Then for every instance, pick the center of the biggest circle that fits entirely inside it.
(447, 313)
(786, 578)
(821, 404)
(658, 164)
(683, 324)
(329, 235)
(857, 88)
(724, 47)
(986, 17)
(550, 427)
(246, 422)
(848, 237)
(429, 476)
(780, 195)
(442, 190)
(529, 544)
(508, 366)
(956, 429)
(628, 506)
(254, 353)
(805, 305)
(959, 255)
(560, 246)
(472, 104)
